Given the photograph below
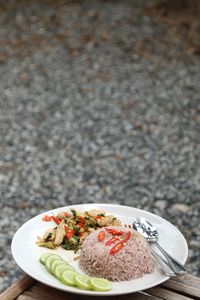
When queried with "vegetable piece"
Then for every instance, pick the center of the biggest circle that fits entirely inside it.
(44, 256)
(69, 232)
(116, 248)
(100, 284)
(49, 244)
(54, 263)
(67, 246)
(80, 224)
(50, 259)
(119, 245)
(112, 240)
(56, 220)
(67, 277)
(73, 212)
(46, 218)
(59, 269)
(83, 281)
(127, 237)
(114, 231)
(101, 236)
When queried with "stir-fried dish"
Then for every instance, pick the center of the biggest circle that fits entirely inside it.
(72, 227)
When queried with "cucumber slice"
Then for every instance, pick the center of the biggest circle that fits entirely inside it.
(100, 284)
(50, 259)
(59, 269)
(83, 282)
(44, 256)
(67, 277)
(54, 263)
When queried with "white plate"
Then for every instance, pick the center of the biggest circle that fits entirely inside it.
(26, 253)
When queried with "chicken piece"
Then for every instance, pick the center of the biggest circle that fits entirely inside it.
(60, 233)
(95, 212)
(116, 222)
(49, 235)
(108, 220)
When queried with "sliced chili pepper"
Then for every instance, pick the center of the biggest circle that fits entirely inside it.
(70, 234)
(119, 245)
(98, 217)
(82, 218)
(112, 240)
(101, 236)
(127, 237)
(46, 218)
(80, 224)
(116, 248)
(114, 231)
(56, 220)
(80, 234)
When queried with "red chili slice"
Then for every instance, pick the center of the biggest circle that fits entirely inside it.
(56, 220)
(101, 236)
(114, 231)
(127, 237)
(116, 248)
(98, 217)
(69, 232)
(119, 245)
(46, 218)
(112, 240)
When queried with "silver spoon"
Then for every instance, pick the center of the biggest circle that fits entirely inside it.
(151, 234)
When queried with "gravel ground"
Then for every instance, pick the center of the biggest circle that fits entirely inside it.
(99, 103)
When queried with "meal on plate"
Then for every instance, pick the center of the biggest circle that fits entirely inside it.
(116, 253)
(108, 250)
(112, 253)
(72, 227)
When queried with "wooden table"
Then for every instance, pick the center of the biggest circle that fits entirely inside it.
(178, 288)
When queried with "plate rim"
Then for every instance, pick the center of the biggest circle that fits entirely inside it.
(94, 293)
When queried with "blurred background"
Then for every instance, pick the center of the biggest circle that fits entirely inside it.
(99, 102)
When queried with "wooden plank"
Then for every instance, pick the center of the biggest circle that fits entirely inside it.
(17, 288)
(27, 288)
(186, 284)
(43, 292)
(166, 294)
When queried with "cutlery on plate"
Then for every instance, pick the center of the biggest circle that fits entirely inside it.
(151, 234)
(163, 264)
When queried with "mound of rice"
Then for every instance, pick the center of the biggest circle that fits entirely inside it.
(134, 260)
